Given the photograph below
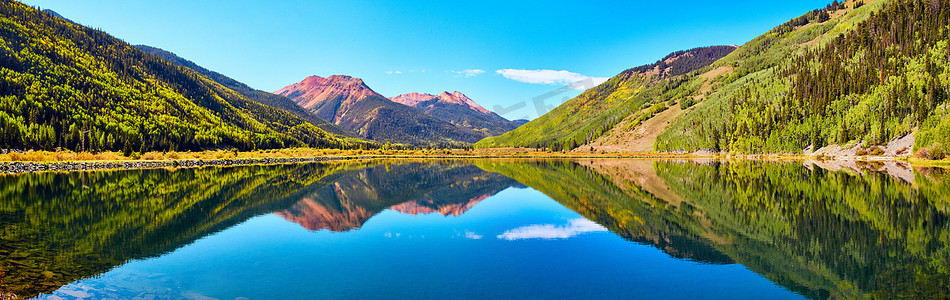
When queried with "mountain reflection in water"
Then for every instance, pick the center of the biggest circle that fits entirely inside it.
(820, 229)
(413, 188)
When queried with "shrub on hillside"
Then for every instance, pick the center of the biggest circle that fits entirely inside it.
(686, 103)
(934, 152)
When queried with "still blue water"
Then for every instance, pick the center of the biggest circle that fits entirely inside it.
(438, 229)
(549, 252)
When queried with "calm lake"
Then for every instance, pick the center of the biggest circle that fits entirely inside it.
(436, 229)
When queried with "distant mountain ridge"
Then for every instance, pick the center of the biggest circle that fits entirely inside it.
(350, 103)
(456, 97)
(684, 61)
(411, 99)
(56, 14)
(460, 110)
(454, 209)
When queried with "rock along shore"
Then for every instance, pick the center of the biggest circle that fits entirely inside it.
(24, 167)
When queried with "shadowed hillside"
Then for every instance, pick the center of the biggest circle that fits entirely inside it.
(460, 110)
(259, 96)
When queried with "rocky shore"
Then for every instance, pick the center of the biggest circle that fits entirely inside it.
(23, 167)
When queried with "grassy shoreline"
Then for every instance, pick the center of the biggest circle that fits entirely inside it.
(293, 155)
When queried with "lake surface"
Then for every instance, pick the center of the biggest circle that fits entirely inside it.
(430, 229)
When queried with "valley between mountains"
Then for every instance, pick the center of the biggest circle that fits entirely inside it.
(851, 79)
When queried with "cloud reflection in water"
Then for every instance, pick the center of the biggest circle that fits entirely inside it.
(550, 231)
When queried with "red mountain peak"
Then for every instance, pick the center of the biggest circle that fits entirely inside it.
(412, 99)
(456, 97)
(460, 99)
(315, 89)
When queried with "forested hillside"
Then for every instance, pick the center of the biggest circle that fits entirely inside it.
(849, 74)
(856, 74)
(642, 92)
(67, 86)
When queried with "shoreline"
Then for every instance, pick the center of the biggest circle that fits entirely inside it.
(71, 166)
(19, 167)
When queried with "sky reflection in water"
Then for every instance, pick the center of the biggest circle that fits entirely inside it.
(516, 244)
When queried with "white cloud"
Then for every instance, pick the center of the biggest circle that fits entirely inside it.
(563, 77)
(468, 73)
(472, 235)
(550, 231)
(393, 72)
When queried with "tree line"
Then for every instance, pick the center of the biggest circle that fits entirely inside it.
(65, 86)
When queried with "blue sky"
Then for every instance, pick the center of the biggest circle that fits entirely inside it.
(427, 46)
